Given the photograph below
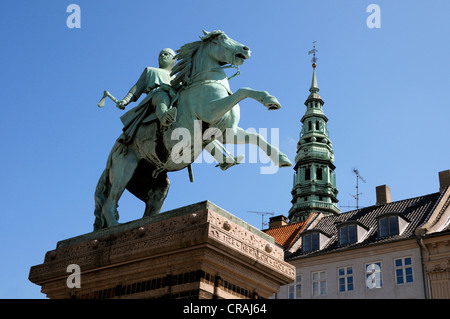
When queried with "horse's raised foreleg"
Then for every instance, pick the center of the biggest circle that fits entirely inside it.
(121, 171)
(216, 108)
(263, 97)
(241, 136)
(222, 156)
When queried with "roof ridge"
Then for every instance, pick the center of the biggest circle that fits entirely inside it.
(393, 202)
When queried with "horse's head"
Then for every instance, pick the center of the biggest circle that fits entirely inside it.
(224, 49)
(215, 48)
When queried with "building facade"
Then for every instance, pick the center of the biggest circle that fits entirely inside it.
(392, 250)
(434, 238)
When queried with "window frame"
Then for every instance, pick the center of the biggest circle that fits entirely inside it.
(345, 227)
(359, 232)
(349, 283)
(313, 241)
(386, 228)
(318, 240)
(319, 285)
(296, 288)
(403, 268)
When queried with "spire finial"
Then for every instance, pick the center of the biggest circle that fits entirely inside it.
(313, 52)
(314, 88)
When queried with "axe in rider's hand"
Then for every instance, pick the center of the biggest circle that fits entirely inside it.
(107, 94)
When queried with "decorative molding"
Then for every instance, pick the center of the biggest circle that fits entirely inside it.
(127, 252)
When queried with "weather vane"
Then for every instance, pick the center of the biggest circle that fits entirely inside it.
(313, 52)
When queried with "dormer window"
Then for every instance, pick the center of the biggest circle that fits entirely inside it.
(313, 240)
(350, 232)
(310, 242)
(347, 234)
(391, 224)
(388, 226)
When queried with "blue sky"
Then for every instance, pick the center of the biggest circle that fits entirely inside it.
(384, 91)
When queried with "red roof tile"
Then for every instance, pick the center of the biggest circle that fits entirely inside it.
(285, 235)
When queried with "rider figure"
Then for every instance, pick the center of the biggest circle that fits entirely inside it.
(155, 82)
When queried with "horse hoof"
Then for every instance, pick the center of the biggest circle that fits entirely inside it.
(283, 161)
(113, 223)
(237, 160)
(271, 102)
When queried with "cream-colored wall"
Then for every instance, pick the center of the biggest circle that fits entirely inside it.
(436, 249)
(437, 265)
(358, 258)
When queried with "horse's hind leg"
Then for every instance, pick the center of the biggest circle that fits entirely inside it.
(121, 171)
(157, 193)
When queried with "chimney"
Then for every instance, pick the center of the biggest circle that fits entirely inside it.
(383, 194)
(277, 221)
(444, 180)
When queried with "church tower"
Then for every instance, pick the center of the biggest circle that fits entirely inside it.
(314, 187)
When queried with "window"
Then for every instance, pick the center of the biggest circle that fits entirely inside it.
(373, 275)
(298, 286)
(345, 279)
(319, 173)
(403, 270)
(291, 292)
(307, 174)
(388, 226)
(319, 283)
(295, 290)
(347, 234)
(310, 242)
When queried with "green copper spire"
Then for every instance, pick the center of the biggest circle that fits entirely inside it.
(314, 188)
(314, 88)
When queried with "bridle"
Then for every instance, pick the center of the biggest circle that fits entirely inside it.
(231, 65)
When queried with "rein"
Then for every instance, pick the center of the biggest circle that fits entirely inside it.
(194, 84)
(231, 66)
(206, 82)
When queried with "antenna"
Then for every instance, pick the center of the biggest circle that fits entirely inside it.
(356, 196)
(262, 216)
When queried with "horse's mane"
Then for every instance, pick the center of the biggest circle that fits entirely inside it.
(183, 68)
(185, 56)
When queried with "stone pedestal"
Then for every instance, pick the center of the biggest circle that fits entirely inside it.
(198, 251)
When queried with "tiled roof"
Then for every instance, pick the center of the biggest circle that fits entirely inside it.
(415, 210)
(286, 235)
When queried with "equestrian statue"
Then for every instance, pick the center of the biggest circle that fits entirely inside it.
(188, 93)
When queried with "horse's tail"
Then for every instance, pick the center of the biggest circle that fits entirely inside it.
(101, 194)
(102, 190)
